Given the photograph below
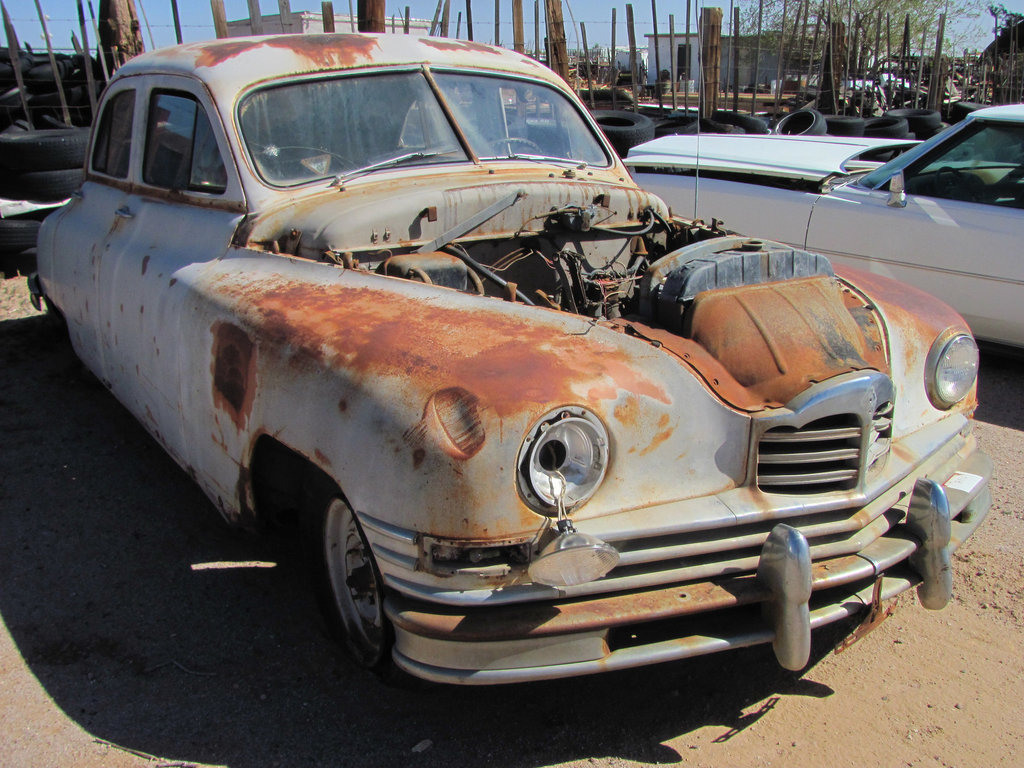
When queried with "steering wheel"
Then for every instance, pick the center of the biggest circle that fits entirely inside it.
(508, 140)
(953, 184)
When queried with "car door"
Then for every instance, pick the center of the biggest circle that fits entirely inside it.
(958, 235)
(77, 236)
(180, 213)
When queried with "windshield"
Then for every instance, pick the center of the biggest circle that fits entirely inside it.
(341, 127)
(502, 117)
(883, 173)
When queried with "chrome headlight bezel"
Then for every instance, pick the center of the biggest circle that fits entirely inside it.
(951, 368)
(569, 441)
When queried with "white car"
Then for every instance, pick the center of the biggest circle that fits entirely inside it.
(945, 216)
(401, 292)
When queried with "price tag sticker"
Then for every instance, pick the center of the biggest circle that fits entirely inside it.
(963, 481)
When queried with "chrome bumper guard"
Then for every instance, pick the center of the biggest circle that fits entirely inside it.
(517, 643)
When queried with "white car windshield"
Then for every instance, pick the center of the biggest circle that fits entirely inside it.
(342, 127)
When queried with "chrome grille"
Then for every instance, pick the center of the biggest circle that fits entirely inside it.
(820, 457)
(880, 437)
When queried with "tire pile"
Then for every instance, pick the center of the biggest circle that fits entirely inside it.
(40, 164)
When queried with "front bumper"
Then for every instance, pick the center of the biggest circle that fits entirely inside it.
(934, 512)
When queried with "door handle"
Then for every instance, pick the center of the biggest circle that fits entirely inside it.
(124, 213)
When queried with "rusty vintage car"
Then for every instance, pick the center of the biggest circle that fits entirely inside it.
(532, 425)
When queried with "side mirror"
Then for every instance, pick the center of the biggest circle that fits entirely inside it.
(897, 195)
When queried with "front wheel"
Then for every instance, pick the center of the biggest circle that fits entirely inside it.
(348, 583)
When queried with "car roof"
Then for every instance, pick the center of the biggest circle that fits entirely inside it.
(1014, 112)
(232, 64)
(793, 157)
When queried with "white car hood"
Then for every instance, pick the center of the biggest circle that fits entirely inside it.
(794, 157)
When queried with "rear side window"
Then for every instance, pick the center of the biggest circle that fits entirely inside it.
(114, 138)
(181, 148)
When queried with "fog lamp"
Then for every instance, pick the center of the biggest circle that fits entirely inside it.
(572, 558)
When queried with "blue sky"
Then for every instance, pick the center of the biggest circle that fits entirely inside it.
(197, 21)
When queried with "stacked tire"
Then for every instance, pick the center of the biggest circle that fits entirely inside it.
(41, 93)
(38, 170)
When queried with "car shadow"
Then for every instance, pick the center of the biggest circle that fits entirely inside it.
(158, 629)
(1000, 385)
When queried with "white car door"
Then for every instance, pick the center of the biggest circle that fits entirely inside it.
(965, 251)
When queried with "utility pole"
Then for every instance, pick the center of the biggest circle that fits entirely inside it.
(371, 16)
(119, 30)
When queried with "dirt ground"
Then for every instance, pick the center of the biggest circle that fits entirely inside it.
(116, 652)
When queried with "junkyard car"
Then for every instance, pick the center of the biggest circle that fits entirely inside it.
(531, 426)
(945, 216)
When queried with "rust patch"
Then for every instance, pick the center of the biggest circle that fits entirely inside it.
(321, 457)
(459, 46)
(323, 51)
(417, 457)
(515, 362)
(145, 263)
(234, 372)
(173, 281)
(660, 437)
(628, 412)
(343, 405)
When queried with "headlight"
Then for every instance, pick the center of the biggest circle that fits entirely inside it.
(952, 368)
(565, 454)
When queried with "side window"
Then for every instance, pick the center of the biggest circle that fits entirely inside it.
(181, 149)
(114, 139)
(984, 165)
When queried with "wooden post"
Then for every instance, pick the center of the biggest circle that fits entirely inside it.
(920, 68)
(119, 27)
(586, 53)
(446, 18)
(406, 22)
(556, 34)
(711, 55)
(351, 17)
(89, 76)
(536, 29)
(657, 55)
(177, 26)
(53, 66)
(371, 16)
(13, 49)
(436, 21)
(757, 56)
(220, 22)
(497, 22)
(736, 60)
(936, 86)
(614, 66)
(327, 11)
(469, 19)
(284, 8)
(778, 64)
(689, 62)
(631, 35)
(458, 25)
(673, 57)
(255, 17)
(518, 35)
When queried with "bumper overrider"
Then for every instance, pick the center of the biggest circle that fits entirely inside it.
(744, 567)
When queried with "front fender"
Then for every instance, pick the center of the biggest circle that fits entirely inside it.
(416, 399)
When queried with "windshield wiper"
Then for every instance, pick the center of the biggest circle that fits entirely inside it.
(581, 164)
(339, 181)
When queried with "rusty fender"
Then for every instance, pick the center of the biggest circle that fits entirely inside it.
(913, 319)
(430, 393)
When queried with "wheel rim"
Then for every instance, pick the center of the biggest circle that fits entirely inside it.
(355, 584)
